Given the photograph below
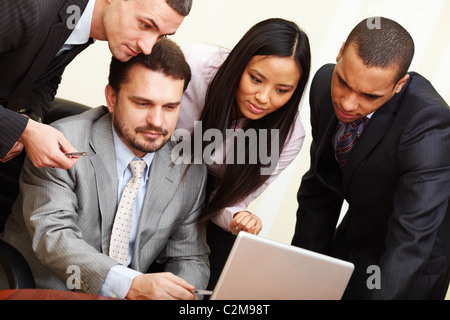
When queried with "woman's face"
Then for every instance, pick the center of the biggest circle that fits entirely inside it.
(267, 84)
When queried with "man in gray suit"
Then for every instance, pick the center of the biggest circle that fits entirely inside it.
(62, 221)
(40, 37)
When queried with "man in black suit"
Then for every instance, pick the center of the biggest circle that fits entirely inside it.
(396, 175)
(40, 37)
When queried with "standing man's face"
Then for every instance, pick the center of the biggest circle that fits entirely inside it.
(145, 110)
(134, 26)
(358, 90)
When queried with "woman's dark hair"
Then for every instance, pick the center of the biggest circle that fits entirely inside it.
(272, 37)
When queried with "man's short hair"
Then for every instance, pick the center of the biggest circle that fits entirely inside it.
(381, 42)
(166, 57)
(183, 7)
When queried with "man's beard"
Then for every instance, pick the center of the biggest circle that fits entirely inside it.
(147, 146)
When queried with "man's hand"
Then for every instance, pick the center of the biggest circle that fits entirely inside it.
(45, 146)
(160, 286)
(245, 221)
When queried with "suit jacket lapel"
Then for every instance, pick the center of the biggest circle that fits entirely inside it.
(104, 163)
(374, 132)
(327, 169)
(59, 32)
(162, 184)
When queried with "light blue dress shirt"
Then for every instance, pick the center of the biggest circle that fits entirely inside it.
(118, 280)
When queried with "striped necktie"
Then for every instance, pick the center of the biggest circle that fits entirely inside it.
(120, 236)
(348, 140)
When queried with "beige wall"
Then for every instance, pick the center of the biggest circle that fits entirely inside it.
(327, 22)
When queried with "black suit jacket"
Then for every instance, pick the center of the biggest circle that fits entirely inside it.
(31, 32)
(396, 182)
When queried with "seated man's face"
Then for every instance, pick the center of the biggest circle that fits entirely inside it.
(145, 110)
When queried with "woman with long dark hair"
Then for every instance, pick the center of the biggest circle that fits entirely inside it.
(254, 91)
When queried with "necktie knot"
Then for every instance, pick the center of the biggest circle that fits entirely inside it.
(351, 126)
(137, 168)
(348, 140)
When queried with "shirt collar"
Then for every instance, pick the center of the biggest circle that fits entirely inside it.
(368, 117)
(124, 156)
(82, 30)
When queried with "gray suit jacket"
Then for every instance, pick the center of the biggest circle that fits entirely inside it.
(63, 218)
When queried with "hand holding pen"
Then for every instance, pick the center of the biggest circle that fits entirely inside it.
(70, 155)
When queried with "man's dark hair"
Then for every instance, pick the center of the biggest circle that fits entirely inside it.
(183, 7)
(166, 57)
(381, 42)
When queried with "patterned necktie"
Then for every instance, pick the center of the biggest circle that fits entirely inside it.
(120, 237)
(348, 140)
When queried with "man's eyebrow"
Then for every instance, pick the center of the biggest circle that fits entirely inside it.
(155, 25)
(137, 98)
(363, 93)
(146, 100)
(342, 80)
(176, 103)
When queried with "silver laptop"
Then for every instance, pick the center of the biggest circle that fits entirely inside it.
(263, 269)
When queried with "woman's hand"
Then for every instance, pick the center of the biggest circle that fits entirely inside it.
(245, 221)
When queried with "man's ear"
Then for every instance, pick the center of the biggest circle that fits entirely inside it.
(341, 52)
(111, 97)
(401, 83)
